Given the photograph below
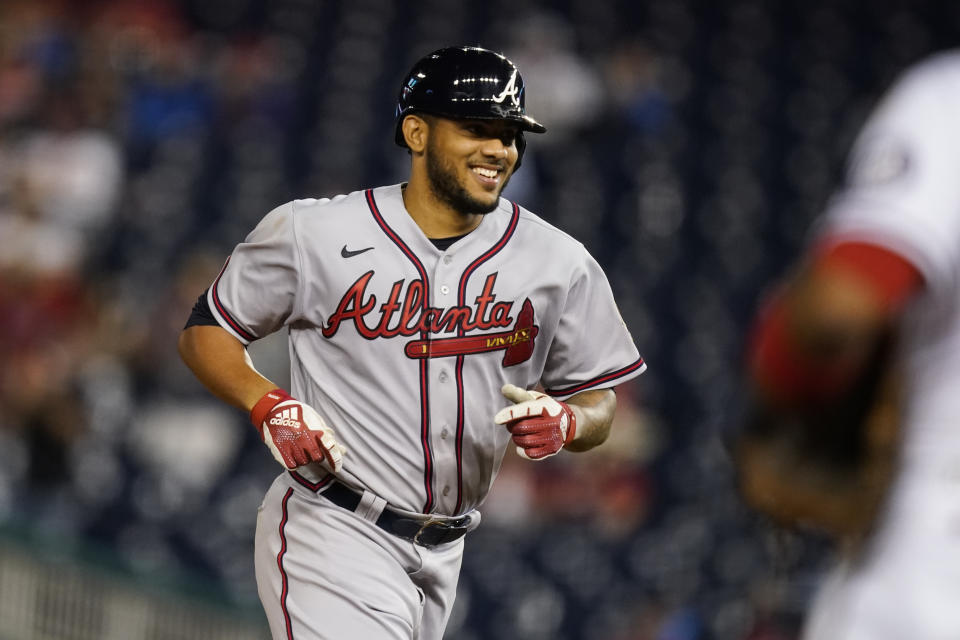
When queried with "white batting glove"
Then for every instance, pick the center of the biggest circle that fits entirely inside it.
(540, 425)
(294, 432)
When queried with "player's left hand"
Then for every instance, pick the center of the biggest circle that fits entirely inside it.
(540, 425)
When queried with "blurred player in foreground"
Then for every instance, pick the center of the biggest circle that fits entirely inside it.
(855, 371)
(420, 317)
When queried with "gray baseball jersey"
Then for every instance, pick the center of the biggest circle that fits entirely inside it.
(402, 348)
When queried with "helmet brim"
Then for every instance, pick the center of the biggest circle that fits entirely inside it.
(529, 124)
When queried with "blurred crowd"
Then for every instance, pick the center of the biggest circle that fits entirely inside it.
(688, 148)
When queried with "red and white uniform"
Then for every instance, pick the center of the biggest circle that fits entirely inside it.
(904, 195)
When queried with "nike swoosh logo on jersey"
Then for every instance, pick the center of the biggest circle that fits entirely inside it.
(346, 253)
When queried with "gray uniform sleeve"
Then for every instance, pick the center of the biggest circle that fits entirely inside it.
(593, 348)
(256, 291)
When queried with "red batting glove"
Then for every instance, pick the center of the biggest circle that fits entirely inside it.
(294, 432)
(540, 425)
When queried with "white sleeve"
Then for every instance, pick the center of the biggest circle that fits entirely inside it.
(903, 186)
(256, 291)
(592, 348)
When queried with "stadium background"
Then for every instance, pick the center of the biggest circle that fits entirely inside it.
(690, 145)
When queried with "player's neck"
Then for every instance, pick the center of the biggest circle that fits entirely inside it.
(435, 218)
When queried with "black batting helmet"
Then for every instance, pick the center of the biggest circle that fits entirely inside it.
(466, 82)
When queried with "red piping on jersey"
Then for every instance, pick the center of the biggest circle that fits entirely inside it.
(424, 367)
(283, 574)
(313, 486)
(461, 300)
(607, 377)
(246, 335)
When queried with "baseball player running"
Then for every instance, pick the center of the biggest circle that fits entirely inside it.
(886, 262)
(421, 316)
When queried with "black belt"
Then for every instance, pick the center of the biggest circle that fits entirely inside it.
(427, 533)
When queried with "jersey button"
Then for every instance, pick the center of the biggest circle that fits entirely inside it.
(447, 259)
(444, 289)
(444, 433)
(443, 376)
(446, 490)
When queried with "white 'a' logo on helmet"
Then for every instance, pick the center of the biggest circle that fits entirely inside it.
(509, 90)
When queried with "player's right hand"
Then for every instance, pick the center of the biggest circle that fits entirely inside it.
(294, 432)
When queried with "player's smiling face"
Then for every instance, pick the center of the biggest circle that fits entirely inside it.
(470, 161)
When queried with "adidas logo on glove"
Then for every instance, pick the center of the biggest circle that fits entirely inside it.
(286, 418)
(295, 433)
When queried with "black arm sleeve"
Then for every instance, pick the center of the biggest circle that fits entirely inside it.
(201, 314)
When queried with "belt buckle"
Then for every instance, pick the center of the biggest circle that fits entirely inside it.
(427, 524)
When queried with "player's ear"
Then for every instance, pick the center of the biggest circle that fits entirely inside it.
(415, 130)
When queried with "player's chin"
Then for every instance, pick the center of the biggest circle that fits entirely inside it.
(486, 201)
(488, 205)
(481, 202)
